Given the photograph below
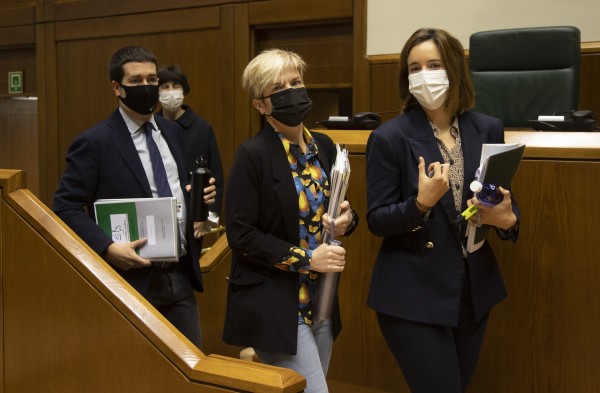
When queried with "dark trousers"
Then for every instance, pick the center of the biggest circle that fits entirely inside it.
(171, 293)
(434, 358)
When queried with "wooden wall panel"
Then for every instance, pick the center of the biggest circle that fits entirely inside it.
(17, 36)
(18, 59)
(384, 89)
(15, 16)
(81, 9)
(327, 49)
(18, 133)
(139, 24)
(286, 11)
(589, 84)
(542, 338)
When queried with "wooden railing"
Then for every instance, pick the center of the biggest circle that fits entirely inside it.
(72, 324)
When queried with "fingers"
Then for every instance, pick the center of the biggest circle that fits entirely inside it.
(138, 243)
(344, 206)
(505, 193)
(336, 261)
(328, 258)
(421, 166)
(433, 169)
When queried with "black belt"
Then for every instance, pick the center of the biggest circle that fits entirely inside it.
(164, 265)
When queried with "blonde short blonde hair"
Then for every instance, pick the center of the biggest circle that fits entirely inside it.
(264, 69)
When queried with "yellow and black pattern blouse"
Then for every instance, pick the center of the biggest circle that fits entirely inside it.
(312, 186)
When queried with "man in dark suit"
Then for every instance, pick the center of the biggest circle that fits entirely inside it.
(133, 154)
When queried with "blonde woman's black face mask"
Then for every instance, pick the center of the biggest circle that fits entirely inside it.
(290, 106)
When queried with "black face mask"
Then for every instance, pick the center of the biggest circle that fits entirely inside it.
(141, 99)
(290, 106)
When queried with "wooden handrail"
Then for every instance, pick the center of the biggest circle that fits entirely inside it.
(215, 254)
(68, 253)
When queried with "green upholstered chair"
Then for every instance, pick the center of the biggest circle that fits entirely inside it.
(519, 74)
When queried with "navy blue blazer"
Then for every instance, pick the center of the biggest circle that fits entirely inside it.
(262, 225)
(102, 162)
(418, 271)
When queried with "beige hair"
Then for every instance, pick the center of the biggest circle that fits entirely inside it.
(265, 68)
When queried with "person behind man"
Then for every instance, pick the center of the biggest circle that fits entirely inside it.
(133, 154)
(278, 193)
(198, 136)
(432, 297)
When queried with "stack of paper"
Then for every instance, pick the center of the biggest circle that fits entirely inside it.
(126, 220)
(328, 282)
(498, 166)
(340, 175)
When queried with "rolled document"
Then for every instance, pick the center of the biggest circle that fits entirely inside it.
(327, 284)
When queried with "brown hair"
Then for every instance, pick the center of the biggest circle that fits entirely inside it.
(461, 95)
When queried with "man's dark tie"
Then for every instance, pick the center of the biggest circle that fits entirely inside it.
(158, 167)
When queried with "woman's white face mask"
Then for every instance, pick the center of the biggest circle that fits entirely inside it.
(171, 100)
(429, 87)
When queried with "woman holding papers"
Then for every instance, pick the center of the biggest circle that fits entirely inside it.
(432, 297)
(278, 193)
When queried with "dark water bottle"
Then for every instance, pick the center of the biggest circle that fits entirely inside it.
(487, 193)
(200, 178)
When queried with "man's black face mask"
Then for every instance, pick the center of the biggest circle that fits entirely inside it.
(141, 99)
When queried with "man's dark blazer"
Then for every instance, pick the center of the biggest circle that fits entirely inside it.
(102, 162)
(418, 271)
(262, 225)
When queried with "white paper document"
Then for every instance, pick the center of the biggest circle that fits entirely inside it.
(126, 220)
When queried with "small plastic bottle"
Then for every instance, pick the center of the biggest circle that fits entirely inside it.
(200, 180)
(486, 192)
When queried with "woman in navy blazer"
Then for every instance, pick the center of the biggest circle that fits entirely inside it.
(277, 196)
(432, 297)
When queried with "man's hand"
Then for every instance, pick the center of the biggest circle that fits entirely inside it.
(210, 192)
(123, 255)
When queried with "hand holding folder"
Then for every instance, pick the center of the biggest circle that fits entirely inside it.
(498, 166)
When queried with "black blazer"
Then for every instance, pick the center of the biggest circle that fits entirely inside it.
(102, 162)
(413, 279)
(262, 224)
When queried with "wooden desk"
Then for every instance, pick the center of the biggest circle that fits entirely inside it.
(539, 144)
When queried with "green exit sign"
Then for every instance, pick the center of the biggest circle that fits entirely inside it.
(15, 82)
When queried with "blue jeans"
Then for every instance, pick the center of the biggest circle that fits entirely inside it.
(312, 356)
